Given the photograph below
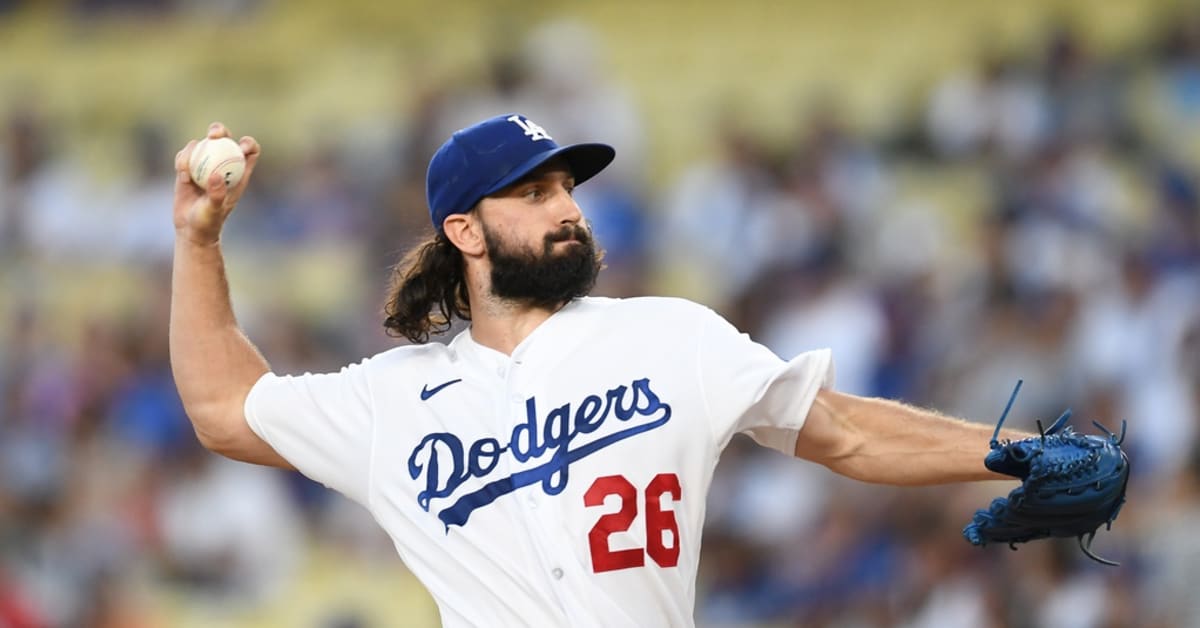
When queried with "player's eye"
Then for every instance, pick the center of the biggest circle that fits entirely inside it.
(534, 193)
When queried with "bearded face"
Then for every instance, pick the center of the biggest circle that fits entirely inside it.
(563, 268)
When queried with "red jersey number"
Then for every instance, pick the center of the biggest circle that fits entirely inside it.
(662, 529)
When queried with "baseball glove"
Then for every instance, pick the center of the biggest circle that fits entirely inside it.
(1071, 484)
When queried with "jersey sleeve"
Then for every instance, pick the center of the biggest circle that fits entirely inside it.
(749, 389)
(322, 424)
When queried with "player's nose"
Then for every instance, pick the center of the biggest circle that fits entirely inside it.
(567, 210)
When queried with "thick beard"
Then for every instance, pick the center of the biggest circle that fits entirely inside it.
(550, 279)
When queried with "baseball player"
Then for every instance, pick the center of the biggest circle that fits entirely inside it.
(548, 466)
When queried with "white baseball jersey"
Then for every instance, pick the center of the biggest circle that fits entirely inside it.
(563, 485)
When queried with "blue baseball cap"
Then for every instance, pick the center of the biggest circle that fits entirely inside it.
(491, 155)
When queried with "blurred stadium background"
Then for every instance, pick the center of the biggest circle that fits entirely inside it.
(951, 195)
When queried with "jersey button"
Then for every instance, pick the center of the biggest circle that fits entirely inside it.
(557, 573)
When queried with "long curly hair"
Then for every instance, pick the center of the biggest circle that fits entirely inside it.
(427, 291)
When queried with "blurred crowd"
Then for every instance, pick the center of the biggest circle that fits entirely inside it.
(1076, 267)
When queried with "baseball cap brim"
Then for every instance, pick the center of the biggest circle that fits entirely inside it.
(584, 160)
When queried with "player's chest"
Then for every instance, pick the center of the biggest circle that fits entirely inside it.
(479, 438)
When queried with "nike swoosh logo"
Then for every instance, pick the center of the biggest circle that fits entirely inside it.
(427, 392)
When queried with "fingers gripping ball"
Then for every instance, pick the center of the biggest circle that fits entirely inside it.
(221, 155)
(1071, 485)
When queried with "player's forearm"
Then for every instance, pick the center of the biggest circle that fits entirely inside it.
(886, 442)
(213, 362)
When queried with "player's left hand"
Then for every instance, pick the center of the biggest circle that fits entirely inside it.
(1071, 484)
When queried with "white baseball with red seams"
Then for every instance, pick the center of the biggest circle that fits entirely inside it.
(562, 485)
(217, 155)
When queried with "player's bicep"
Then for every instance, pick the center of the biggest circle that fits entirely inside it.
(827, 436)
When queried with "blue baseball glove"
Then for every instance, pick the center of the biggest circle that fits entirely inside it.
(1071, 484)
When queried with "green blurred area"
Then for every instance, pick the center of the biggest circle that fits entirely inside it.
(295, 72)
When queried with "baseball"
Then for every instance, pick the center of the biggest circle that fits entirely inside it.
(221, 155)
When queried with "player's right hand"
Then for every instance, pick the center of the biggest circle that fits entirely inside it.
(199, 211)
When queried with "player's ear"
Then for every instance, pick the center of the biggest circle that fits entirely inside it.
(465, 232)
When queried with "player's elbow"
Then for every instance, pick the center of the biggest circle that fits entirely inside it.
(214, 427)
(854, 458)
(218, 426)
(847, 457)
(225, 432)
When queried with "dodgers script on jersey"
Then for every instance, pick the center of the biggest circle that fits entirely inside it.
(563, 485)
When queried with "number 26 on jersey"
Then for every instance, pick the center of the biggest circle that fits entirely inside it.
(662, 530)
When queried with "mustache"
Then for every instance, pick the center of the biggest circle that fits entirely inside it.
(570, 232)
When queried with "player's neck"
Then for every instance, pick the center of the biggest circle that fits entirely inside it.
(502, 324)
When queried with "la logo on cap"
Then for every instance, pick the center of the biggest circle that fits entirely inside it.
(531, 128)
